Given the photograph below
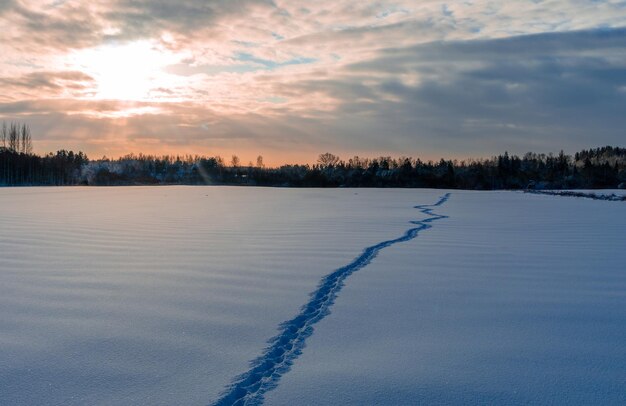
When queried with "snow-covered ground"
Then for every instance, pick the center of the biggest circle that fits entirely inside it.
(600, 194)
(163, 295)
(603, 192)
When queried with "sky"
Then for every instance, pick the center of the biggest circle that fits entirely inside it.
(291, 79)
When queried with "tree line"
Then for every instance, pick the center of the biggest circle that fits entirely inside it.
(19, 166)
(593, 168)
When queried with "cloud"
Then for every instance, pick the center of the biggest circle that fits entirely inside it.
(428, 77)
(47, 83)
(149, 17)
(547, 91)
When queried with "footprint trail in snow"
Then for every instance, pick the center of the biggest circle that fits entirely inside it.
(283, 349)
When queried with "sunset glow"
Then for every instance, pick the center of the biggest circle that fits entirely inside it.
(289, 80)
(132, 71)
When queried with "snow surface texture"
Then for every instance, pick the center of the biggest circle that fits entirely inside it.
(602, 192)
(602, 195)
(160, 296)
(514, 299)
(265, 371)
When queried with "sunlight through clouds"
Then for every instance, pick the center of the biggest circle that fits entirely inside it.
(131, 71)
(349, 76)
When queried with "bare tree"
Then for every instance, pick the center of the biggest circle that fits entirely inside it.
(14, 138)
(26, 146)
(234, 161)
(3, 135)
(327, 160)
(259, 162)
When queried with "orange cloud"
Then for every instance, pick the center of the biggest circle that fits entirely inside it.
(289, 79)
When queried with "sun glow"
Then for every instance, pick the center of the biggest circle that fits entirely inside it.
(133, 71)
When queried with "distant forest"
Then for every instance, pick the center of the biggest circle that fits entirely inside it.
(603, 167)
